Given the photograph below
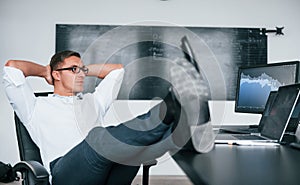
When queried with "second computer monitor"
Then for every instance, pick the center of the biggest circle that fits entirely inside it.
(255, 83)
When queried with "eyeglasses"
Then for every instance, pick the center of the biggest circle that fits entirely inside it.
(75, 69)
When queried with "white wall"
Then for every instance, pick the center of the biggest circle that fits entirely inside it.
(27, 31)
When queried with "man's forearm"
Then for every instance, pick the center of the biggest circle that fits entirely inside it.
(28, 68)
(32, 69)
(101, 70)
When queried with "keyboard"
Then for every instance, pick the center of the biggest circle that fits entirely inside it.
(248, 137)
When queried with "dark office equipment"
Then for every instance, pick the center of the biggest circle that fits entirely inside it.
(255, 83)
(277, 31)
(274, 121)
(295, 119)
(252, 128)
(7, 174)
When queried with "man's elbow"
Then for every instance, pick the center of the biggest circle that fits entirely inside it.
(10, 63)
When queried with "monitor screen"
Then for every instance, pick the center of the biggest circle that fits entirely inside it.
(295, 118)
(254, 84)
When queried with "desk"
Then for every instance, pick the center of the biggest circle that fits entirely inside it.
(242, 165)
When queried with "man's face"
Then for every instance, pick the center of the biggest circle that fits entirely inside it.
(71, 82)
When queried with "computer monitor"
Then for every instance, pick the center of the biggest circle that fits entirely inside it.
(255, 83)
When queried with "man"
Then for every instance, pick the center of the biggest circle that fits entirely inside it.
(66, 125)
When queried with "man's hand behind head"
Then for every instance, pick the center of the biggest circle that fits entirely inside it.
(48, 75)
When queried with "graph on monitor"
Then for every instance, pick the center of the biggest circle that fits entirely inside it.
(254, 84)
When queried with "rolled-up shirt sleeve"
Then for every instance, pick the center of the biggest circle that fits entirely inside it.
(107, 91)
(19, 93)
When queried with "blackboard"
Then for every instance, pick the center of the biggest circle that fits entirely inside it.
(147, 53)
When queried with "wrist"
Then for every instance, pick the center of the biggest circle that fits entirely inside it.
(47, 74)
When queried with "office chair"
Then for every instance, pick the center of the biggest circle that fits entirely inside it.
(31, 165)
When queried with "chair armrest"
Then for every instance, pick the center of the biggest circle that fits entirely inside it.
(38, 171)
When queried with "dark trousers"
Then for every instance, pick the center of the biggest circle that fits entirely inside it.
(112, 155)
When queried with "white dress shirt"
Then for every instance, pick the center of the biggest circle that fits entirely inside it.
(58, 123)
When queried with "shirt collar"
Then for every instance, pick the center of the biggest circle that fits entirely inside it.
(78, 96)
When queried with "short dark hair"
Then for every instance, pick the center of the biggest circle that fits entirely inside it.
(59, 57)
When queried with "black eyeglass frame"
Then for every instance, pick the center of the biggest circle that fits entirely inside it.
(84, 69)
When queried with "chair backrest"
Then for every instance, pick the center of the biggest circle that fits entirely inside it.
(28, 150)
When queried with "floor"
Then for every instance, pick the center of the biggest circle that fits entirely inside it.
(154, 180)
(164, 180)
